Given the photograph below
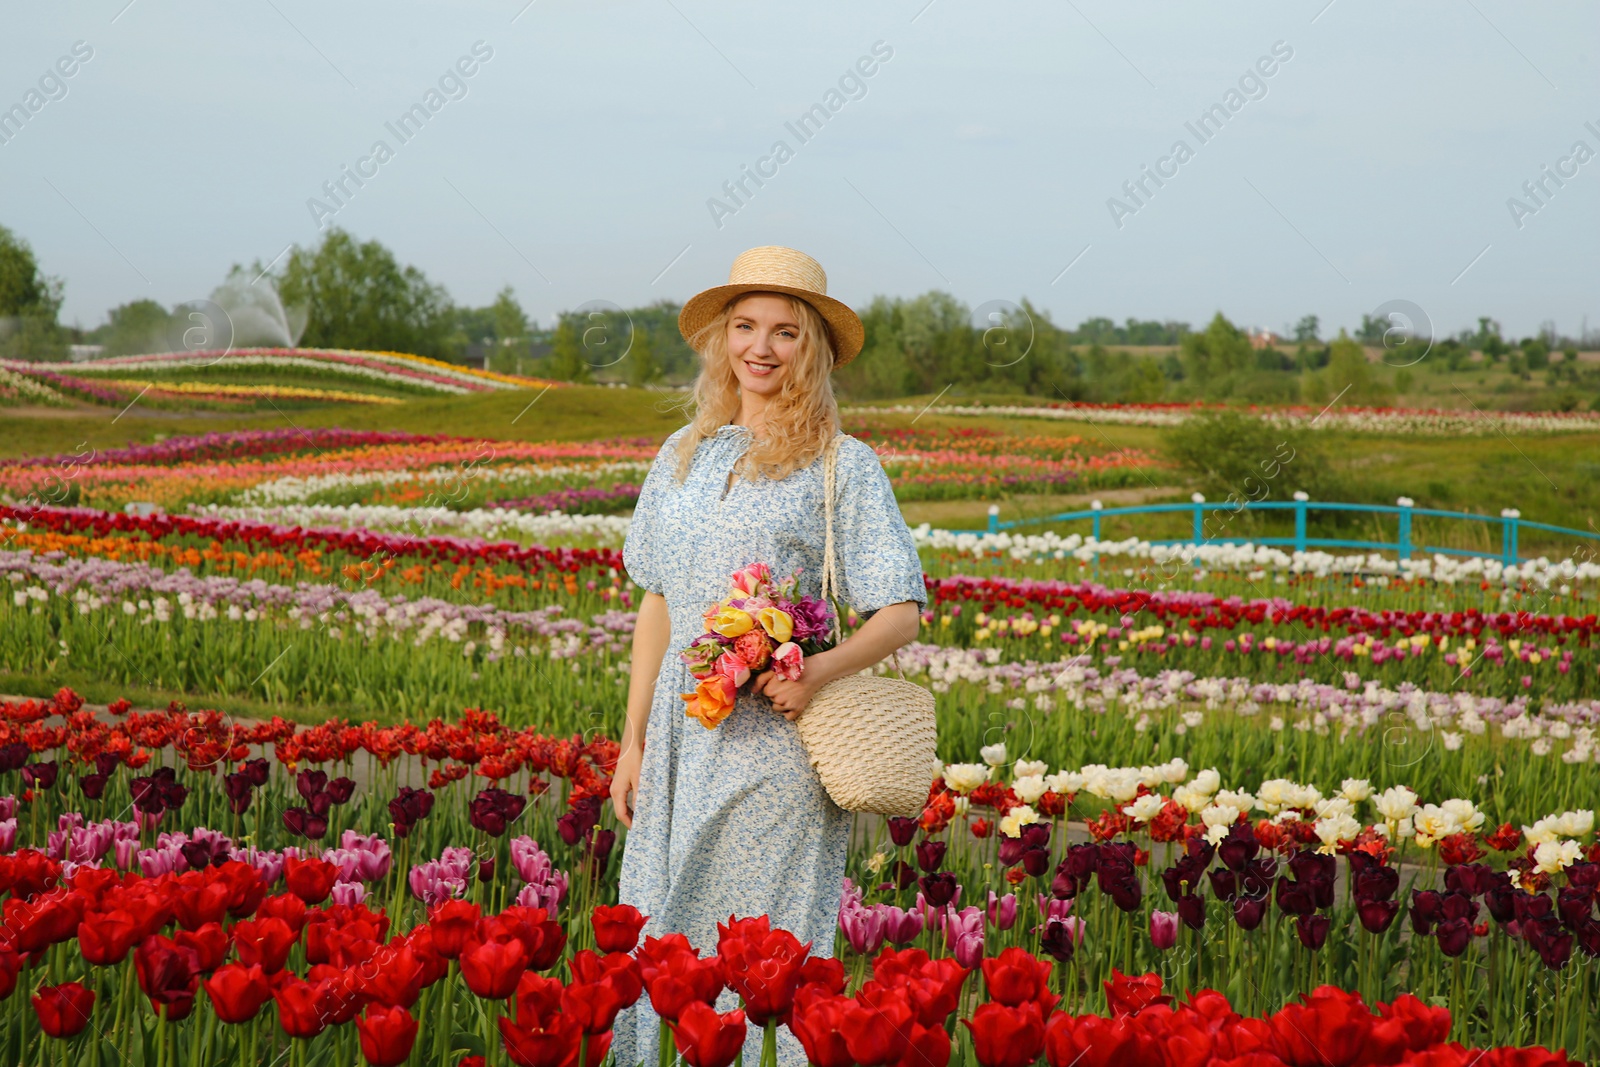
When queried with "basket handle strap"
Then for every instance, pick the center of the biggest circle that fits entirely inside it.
(830, 580)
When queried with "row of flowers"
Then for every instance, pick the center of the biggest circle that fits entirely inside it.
(388, 366)
(1431, 422)
(221, 391)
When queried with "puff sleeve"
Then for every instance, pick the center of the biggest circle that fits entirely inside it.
(875, 557)
(643, 555)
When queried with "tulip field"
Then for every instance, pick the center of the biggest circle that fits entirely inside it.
(315, 771)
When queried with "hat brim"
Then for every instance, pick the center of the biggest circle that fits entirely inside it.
(844, 326)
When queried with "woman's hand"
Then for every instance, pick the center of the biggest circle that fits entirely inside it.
(789, 698)
(625, 780)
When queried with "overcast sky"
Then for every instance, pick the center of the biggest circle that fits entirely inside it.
(577, 160)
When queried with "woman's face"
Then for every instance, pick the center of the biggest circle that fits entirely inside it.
(762, 339)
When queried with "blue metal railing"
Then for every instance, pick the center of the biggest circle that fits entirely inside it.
(1510, 523)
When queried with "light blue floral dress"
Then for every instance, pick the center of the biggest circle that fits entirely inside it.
(732, 821)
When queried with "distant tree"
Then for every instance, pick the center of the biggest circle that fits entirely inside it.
(359, 296)
(137, 327)
(1305, 331)
(566, 362)
(1351, 377)
(643, 368)
(1488, 340)
(510, 322)
(1536, 352)
(29, 304)
(1221, 350)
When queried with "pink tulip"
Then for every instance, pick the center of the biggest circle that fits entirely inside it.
(1163, 929)
(1002, 911)
(864, 928)
(901, 927)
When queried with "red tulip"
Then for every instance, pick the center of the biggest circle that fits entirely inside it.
(286, 906)
(706, 1039)
(387, 1035)
(764, 969)
(237, 992)
(682, 979)
(929, 1046)
(265, 942)
(209, 942)
(1128, 995)
(616, 929)
(168, 974)
(550, 1042)
(452, 923)
(824, 971)
(64, 1009)
(392, 976)
(1016, 977)
(304, 1009)
(10, 963)
(491, 968)
(877, 1025)
(1007, 1037)
(1329, 1028)
(818, 1021)
(201, 901)
(310, 880)
(104, 940)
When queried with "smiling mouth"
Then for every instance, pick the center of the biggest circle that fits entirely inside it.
(760, 368)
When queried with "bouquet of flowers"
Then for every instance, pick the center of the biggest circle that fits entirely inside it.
(761, 625)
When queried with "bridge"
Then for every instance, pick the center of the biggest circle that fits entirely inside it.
(1508, 525)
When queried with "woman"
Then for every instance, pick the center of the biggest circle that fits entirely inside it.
(732, 821)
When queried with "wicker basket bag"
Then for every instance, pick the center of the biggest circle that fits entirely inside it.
(870, 738)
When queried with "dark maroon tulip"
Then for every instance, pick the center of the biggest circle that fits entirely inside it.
(1574, 906)
(1081, 861)
(1224, 883)
(411, 806)
(1239, 847)
(319, 804)
(1057, 940)
(601, 843)
(340, 790)
(1126, 892)
(13, 756)
(1500, 902)
(258, 770)
(1258, 876)
(1296, 898)
(1454, 936)
(1469, 878)
(1584, 875)
(939, 889)
(1588, 937)
(1192, 910)
(1458, 906)
(1064, 886)
(303, 823)
(486, 869)
(240, 790)
(1530, 907)
(1377, 883)
(1553, 946)
(106, 764)
(40, 775)
(1426, 908)
(1036, 861)
(310, 783)
(930, 854)
(1377, 915)
(904, 874)
(93, 786)
(902, 831)
(1249, 911)
(1312, 930)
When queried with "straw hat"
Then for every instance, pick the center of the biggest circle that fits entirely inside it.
(775, 269)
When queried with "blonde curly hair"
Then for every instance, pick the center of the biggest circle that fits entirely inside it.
(800, 420)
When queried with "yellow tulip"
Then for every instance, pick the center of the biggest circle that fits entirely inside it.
(731, 622)
(777, 622)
